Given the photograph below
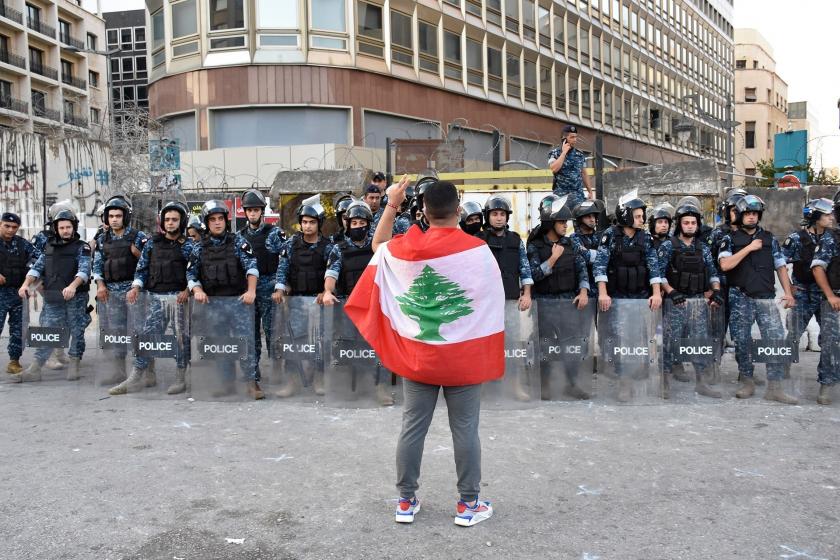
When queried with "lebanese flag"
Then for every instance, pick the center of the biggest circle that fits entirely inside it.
(432, 307)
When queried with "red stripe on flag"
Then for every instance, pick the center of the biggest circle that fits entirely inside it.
(435, 243)
(462, 363)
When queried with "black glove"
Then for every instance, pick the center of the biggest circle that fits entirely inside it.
(677, 297)
(716, 298)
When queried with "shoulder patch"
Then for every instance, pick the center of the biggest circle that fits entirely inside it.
(245, 247)
(723, 244)
(817, 248)
(604, 239)
(787, 242)
(144, 240)
(85, 248)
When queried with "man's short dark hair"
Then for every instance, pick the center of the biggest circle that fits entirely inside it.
(440, 200)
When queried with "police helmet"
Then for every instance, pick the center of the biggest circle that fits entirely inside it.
(732, 197)
(661, 211)
(118, 202)
(585, 208)
(195, 223)
(687, 209)
(559, 211)
(625, 207)
(65, 214)
(56, 208)
(253, 199)
(814, 209)
(181, 208)
(341, 207)
(545, 206)
(214, 207)
(420, 188)
(471, 208)
(496, 202)
(689, 200)
(312, 210)
(359, 210)
(749, 203)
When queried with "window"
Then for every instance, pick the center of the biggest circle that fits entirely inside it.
(228, 43)
(140, 66)
(544, 23)
(329, 15)
(769, 95)
(128, 68)
(113, 37)
(94, 115)
(749, 134)
(126, 39)
(128, 93)
(494, 11)
(184, 19)
(513, 75)
(452, 55)
(69, 108)
(584, 46)
(142, 93)
(740, 64)
(494, 69)
(115, 69)
(93, 78)
(560, 89)
(530, 80)
(559, 35)
(36, 58)
(5, 93)
(369, 19)
(545, 86)
(277, 14)
(427, 43)
(64, 30)
(33, 14)
(92, 42)
(229, 14)
(39, 102)
(177, 50)
(528, 21)
(116, 95)
(158, 36)
(475, 72)
(401, 38)
(66, 70)
(749, 95)
(139, 38)
(512, 16)
(571, 39)
(573, 93)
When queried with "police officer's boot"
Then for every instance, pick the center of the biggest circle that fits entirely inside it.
(775, 393)
(679, 373)
(545, 386)
(292, 385)
(32, 373)
(57, 360)
(702, 389)
(118, 376)
(14, 367)
(825, 395)
(574, 391)
(747, 388)
(318, 383)
(132, 384)
(383, 394)
(666, 385)
(149, 378)
(519, 392)
(254, 391)
(180, 384)
(625, 389)
(74, 373)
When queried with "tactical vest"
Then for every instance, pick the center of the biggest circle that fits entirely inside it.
(13, 265)
(60, 267)
(167, 266)
(627, 272)
(802, 268)
(306, 271)
(119, 263)
(590, 242)
(563, 277)
(506, 250)
(687, 271)
(657, 241)
(221, 272)
(755, 274)
(354, 261)
(266, 260)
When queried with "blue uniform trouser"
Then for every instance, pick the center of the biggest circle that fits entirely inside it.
(681, 322)
(66, 314)
(163, 315)
(12, 306)
(808, 302)
(828, 369)
(263, 315)
(744, 312)
(575, 197)
(116, 310)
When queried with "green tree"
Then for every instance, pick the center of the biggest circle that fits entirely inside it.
(432, 300)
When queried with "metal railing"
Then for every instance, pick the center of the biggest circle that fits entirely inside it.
(10, 13)
(13, 104)
(13, 59)
(40, 27)
(71, 80)
(43, 70)
(68, 39)
(45, 113)
(75, 120)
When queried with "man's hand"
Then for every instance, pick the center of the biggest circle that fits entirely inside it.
(102, 293)
(556, 253)
(565, 148)
(328, 298)
(278, 296)
(716, 300)
(833, 301)
(677, 298)
(131, 296)
(200, 295)
(69, 292)
(23, 292)
(2, 280)
(182, 297)
(655, 302)
(582, 299)
(524, 302)
(755, 245)
(788, 301)
(604, 302)
(396, 193)
(249, 297)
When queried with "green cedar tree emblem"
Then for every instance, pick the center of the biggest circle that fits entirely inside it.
(432, 300)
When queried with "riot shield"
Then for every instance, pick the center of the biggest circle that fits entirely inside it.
(297, 363)
(692, 334)
(763, 335)
(566, 359)
(114, 339)
(353, 375)
(520, 386)
(629, 367)
(825, 391)
(43, 335)
(222, 353)
(160, 344)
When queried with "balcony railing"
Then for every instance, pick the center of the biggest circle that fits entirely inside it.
(45, 113)
(68, 39)
(75, 120)
(41, 27)
(13, 59)
(43, 70)
(10, 13)
(73, 81)
(13, 104)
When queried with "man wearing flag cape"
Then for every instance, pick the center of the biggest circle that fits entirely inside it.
(432, 307)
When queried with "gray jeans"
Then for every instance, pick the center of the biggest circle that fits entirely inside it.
(463, 405)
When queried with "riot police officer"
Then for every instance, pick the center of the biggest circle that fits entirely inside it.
(689, 273)
(660, 223)
(341, 206)
(114, 262)
(416, 208)
(266, 242)
(162, 271)
(749, 255)
(586, 216)
(509, 250)
(64, 267)
(472, 217)
(195, 229)
(223, 265)
(16, 253)
(373, 198)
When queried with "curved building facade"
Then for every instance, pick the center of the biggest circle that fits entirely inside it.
(238, 73)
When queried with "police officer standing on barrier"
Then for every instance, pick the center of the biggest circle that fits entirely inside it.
(301, 271)
(569, 167)
(162, 271)
(660, 222)
(627, 266)
(799, 249)
(509, 250)
(16, 253)
(558, 267)
(114, 262)
(266, 242)
(689, 273)
(749, 256)
(223, 265)
(586, 215)
(347, 261)
(64, 267)
(472, 217)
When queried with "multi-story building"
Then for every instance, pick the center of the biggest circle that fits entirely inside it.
(129, 77)
(238, 73)
(48, 80)
(761, 102)
(801, 118)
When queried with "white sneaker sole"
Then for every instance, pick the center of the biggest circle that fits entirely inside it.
(407, 517)
(474, 519)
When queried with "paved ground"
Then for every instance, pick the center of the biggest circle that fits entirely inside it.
(85, 476)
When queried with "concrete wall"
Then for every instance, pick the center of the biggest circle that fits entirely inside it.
(784, 206)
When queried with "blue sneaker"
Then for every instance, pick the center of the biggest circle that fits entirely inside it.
(468, 516)
(407, 509)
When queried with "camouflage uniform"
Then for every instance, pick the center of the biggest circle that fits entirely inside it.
(808, 296)
(569, 179)
(10, 303)
(828, 369)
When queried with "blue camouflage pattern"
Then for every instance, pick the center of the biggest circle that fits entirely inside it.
(72, 315)
(335, 259)
(99, 260)
(540, 269)
(808, 297)
(745, 312)
(287, 257)
(602, 259)
(827, 373)
(11, 305)
(569, 179)
(242, 250)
